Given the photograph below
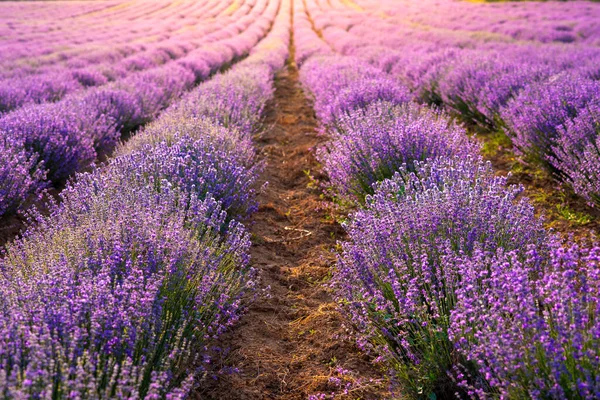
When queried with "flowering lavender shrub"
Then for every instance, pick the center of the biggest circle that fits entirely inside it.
(534, 117)
(478, 88)
(21, 177)
(104, 114)
(577, 154)
(397, 280)
(15, 93)
(171, 126)
(157, 88)
(197, 157)
(68, 135)
(371, 144)
(53, 132)
(118, 291)
(361, 93)
(327, 76)
(89, 77)
(531, 334)
(235, 99)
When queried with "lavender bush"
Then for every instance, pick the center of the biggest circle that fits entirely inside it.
(157, 88)
(21, 176)
(397, 277)
(197, 156)
(52, 133)
(531, 325)
(15, 93)
(234, 100)
(534, 117)
(478, 87)
(66, 135)
(361, 93)
(118, 291)
(105, 114)
(577, 154)
(371, 144)
(327, 76)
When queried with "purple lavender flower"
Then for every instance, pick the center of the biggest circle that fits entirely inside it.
(479, 85)
(21, 176)
(156, 89)
(15, 93)
(104, 114)
(577, 154)
(361, 93)
(325, 77)
(397, 278)
(53, 134)
(198, 157)
(534, 117)
(530, 326)
(234, 100)
(117, 288)
(371, 144)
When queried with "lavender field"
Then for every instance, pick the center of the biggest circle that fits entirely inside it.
(299, 199)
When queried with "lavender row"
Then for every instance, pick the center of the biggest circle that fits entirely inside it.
(58, 82)
(122, 39)
(543, 96)
(51, 40)
(121, 290)
(452, 281)
(574, 22)
(59, 139)
(449, 278)
(118, 293)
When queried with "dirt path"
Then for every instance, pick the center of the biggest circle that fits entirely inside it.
(287, 346)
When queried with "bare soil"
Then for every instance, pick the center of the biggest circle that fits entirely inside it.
(289, 344)
(12, 226)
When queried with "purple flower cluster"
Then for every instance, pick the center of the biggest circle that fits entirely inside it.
(572, 22)
(341, 85)
(308, 43)
(20, 175)
(397, 279)
(577, 153)
(198, 156)
(530, 325)
(362, 92)
(491, 70)
(231, 100)
(372, 143)
(114, 294)
(58, 74)
(376, 129)
(480, 87)
(534, 117)
(52, 133)
(67, 135)
(15, 93)
(105, 113)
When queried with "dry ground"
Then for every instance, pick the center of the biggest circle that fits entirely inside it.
(287, 345)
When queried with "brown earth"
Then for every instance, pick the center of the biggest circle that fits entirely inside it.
(289, 344)
(10, 228)
(15, 224)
